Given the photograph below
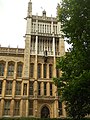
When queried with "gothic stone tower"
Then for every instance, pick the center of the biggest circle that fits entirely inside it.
(26, 75)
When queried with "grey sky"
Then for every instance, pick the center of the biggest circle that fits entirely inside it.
(12, 23)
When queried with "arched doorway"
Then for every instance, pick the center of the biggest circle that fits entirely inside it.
(45, 113)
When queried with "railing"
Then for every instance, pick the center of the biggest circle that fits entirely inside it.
(41, 53)
(11, 50)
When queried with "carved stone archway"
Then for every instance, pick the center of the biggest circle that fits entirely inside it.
(45, 113)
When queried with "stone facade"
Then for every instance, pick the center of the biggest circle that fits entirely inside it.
(26, 85)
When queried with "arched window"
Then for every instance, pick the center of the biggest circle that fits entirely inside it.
(2, 67)
(39, 70)
(45, 113)
(19, 70)
(45, 70)
(10, 69)
(50, 71)
(32, 70)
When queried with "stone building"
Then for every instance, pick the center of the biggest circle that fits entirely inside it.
(26, 75)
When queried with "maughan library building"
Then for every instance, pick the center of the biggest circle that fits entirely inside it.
(26, 75)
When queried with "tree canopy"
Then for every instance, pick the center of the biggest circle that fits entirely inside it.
(74, 84)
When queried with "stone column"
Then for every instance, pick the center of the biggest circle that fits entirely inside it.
(4, 88)
(2, 108)
(12, 108)
(6, 69)
(54, 64)
(15, 71)
(13, 89)
(27, 57)
(61, 46)
(27, 108)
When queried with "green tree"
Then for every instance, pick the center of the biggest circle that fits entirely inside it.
(74, 84)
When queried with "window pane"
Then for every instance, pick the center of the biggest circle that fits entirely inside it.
(19, 70)
(39, 88)
(51, 89)
(30, 107)
(25, 89)
(50, 71)
(60, 108)
(45, 88)
(10, 69)
(7, 107)
(2, 66)
(31, 88)
(17, 108)
(8, 87)
(45, 70)
(18, 88)
(57, 73)
(31, 70)
(0, 87)
(39, 70)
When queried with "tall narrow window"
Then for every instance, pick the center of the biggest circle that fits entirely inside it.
(10, 69)
(45, 70)
(7, 107)
(45, 88)
(31, 70)
(9, 88)
(19, 70)
(0, 87)
(51, 89)
(39, 88)
(25, 89)
(2, 66)
(60, 108)
(31, 88)
(30, 107)
(50, 71)
(57, 73)
(17, 108)
(39, 70)
(18, 88)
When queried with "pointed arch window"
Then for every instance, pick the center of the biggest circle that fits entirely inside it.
(19, 70)
(2, 67)
(10, 69)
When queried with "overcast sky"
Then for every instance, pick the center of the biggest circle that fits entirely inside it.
(12, 23)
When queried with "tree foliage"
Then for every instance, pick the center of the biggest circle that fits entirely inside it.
(74, 84)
